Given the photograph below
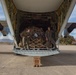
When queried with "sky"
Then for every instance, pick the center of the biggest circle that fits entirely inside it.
(72, 18)
(2, 16)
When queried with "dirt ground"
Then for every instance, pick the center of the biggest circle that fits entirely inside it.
(61, 64)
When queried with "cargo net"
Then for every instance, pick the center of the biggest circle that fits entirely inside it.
(33, 37)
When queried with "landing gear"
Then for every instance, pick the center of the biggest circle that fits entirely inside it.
(36, 66)
(37, 62)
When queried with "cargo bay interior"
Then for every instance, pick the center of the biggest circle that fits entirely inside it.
(40, 14)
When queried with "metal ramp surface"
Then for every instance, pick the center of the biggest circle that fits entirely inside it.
(36, 52)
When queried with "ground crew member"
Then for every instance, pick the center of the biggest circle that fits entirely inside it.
(49, 39)
(25, 38)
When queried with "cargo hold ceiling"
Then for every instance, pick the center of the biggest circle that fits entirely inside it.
(37, 5)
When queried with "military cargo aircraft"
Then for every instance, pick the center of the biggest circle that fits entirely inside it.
(21, 14)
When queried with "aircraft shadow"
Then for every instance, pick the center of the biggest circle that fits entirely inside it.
(6, 53)
(65, 58)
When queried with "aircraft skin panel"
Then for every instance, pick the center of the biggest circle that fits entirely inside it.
(38, 5)
(62, 12)
(8, 20)
(67, 17)
(65, 20)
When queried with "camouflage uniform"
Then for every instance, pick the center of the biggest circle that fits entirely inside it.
(49, 38)
(26, 37)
